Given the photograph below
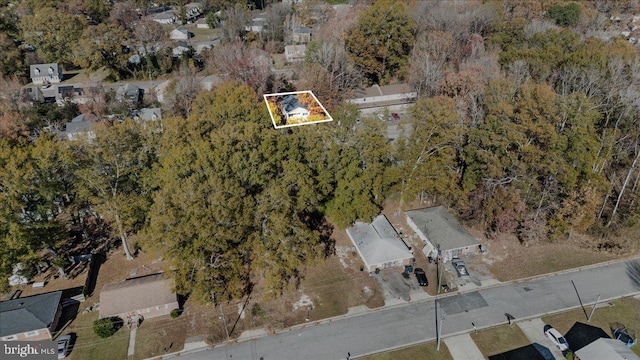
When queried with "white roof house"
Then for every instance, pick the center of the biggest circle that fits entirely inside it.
(379, 245)
(180, 33)
(609, 349)
(436, 226)
(295, 52)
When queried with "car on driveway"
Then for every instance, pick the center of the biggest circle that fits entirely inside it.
(556, 338)
(381, 117)
(421, 276)
(63, 346)
(461, 268)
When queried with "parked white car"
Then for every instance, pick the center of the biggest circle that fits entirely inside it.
(63, 346)
(556, 338)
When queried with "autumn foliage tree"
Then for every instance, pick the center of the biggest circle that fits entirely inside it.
(382, 40)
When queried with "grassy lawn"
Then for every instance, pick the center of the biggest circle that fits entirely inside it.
(626, 311)
(424, 351)
(89, 346)
(161, 335)
(521, 262)
(499, 339)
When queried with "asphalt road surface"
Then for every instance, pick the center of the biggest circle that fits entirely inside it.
(413, 323)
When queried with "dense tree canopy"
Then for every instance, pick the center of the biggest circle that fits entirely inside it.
(381, 41)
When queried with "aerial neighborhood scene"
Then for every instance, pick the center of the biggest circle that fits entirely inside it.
(320, 179)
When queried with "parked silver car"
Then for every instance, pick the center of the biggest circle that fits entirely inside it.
(461, 268)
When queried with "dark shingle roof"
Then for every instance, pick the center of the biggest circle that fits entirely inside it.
(29, 313)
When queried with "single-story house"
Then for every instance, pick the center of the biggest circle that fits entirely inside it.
(257, 24)
(128, 92)
(379, 96)
(209, 82)
(609, 349)
(149, 296)
(80, 126)
(295, 53)
(180, 33)
(166, 17)
(379, 244)
(202, 24)
(45, 73)
(436, 226)
(301, 34)
(179, 48)
(147, 114)
(292, 109)
(30, 318)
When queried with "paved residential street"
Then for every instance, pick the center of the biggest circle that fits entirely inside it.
(412, 323)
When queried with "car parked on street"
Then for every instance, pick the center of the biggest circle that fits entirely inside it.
(461, 268)
(556, 338)
(63, 346)
(421, 276)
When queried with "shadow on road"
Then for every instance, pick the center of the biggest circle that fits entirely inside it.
(633, 270)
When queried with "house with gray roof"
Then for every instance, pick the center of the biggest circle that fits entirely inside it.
(146, 114)
(80, 126)
(436, 226)
(30, 318)
(180, 33)
(301, 34)
(45, 73)
(149, 296)
(379, 244)
(610, 349)
(381, 96)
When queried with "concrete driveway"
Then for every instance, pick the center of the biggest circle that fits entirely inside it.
(534, 330)
(462, 347)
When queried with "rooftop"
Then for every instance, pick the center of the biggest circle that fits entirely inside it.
(440, 227)
(378, 242)
(28, 313)
(135, 294)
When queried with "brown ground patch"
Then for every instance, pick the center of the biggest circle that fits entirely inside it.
(508, 260)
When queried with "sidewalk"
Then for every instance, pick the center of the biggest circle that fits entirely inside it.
(462, 347)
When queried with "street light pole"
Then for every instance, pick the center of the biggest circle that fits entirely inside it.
(594, 308)
(438, 266)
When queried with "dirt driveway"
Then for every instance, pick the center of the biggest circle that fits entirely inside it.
(395, 287)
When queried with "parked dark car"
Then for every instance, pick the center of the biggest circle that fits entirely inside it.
(421, 276)
(461, 268)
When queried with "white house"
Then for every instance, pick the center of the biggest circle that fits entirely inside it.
(45, 73)
(292, 109)
(379, 244)
(180, 33)
(295, 53)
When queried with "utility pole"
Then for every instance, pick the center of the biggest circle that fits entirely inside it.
(224, 321)
(438, 266)
(594, 308)
(437, 327)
